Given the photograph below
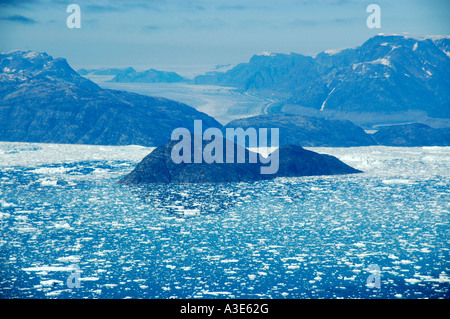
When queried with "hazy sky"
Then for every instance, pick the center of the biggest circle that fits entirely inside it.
(171, 34)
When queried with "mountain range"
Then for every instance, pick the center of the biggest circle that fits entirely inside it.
(386, 74)
(43, 99)
(148, 76)
(105, 71)
(130, 75)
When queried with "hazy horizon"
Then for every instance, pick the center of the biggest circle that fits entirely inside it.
(198, 33)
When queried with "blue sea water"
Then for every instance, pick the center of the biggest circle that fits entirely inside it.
(64, 219)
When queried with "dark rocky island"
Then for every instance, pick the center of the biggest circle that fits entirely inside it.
(309, 131)
(158, 167)
(415, 134)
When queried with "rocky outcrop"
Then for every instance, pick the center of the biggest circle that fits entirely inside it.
(308, 131)
(415, 134)
(158, 167)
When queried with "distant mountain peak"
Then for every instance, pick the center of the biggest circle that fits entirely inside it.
(336, 51)
(386, 73)
(265, 53)
(23, 65)
(412, 36)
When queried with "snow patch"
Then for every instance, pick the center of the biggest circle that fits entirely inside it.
(383, 61)
(31, 55)
(265, 53)
(324, 102)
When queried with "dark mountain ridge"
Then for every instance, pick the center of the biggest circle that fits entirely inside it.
(44, 100)
(308, 131)
(415, 134)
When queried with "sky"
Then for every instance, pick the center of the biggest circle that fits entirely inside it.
(176, 34)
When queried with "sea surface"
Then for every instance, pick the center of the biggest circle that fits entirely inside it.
(69, 230)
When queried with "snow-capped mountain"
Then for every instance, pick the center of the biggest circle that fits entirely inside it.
(388, 73)
(21, 67)
(44, 100)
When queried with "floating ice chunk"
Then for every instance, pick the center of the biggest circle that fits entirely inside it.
(50, 170)
(5, 204)
(70, 259)
(262, 273)
(156, 228)
(49, 268)
(190, 212)
(26, 229)
(412, 280)
(229, 261)
(62, 225)
(217, 293)
(89, 278)
(22, 218)
(397, 181)
(48, 182)
(56, 292)
(112, 285)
